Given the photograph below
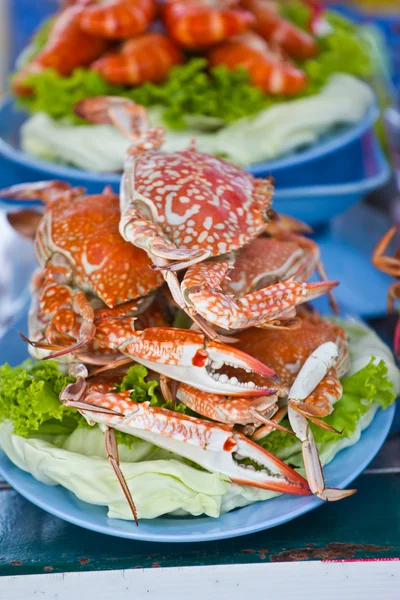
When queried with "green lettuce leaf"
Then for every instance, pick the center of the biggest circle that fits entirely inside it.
(297, 12)
(189, 90)
(57, 95)
(341, 51)
(135, 379)
(29, 399)
(145, 390)
(368, 386)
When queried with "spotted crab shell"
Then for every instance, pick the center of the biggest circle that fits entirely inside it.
(201, 201)
(285, 351)
(85, 230)
(263, 262)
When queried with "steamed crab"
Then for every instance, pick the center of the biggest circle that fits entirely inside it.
(286, 352)
(88, 272)
(189, 210)
(229, 387)
(214, 446)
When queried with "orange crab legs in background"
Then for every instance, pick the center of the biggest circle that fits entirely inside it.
(279, 32)
(148, 57)
(116, 19)
(88, 272)
(266, 67)
(391, 266)
(191, 210)
(67, 48)
(202, 23)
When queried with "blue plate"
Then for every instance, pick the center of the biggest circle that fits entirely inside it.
(58, 501)
(32, 168)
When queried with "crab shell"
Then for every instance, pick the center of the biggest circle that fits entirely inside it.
(285, 351)
(84, 229)
(265, 261)
(199, 201)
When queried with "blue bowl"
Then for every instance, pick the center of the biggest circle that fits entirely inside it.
(318, 155)
(362, 168)
(313, 184)
(11, 120)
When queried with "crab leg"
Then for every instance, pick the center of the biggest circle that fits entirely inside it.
(267, 304)
(308, 266)
(313, 371)
(135, 226)
(46, 191)
(215, 447)
(113, 458)
(387, 264)
(270, 425)
(225, 410)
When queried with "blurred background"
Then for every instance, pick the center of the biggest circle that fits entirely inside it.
(19, 18)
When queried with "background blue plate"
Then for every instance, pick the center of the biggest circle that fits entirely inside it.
(58, 501)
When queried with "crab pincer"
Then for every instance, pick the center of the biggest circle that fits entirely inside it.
(312, 372)
(213, 446)
(188, 357)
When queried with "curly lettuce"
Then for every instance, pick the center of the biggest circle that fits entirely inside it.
(29, 398)
(189, 90)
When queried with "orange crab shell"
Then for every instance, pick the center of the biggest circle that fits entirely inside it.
(202, 202)
(266, 261)
(85, 230)
(285, 351)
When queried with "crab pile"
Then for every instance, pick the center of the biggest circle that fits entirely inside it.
(130, 42)
(189, 233)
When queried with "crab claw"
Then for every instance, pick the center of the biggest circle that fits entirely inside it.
(215, 447)
(130, 118)
(274, 474)
(317, 289)
(186, 356)
(315, 368)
